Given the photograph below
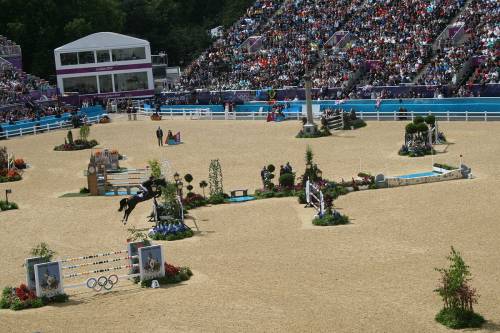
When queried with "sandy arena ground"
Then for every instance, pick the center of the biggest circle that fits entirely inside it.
(260, 266)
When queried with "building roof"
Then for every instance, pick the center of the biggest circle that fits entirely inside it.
(102, 40)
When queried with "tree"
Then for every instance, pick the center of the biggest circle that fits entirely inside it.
(189, 178)
(203, 184)
(84, 132)
(457, 294)
(155, 167)
(215, 178)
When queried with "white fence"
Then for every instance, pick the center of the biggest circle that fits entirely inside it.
(180, 113)
(5, 134)
(205, 113)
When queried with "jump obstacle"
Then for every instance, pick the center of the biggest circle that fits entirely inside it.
(104, 175)
(336, 122)
(145, 262)
(314, 198)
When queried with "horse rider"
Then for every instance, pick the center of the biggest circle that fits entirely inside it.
(146, 187)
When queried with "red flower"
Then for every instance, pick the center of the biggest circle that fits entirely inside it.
(171, 270)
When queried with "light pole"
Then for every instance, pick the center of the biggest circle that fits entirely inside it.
(180, 185)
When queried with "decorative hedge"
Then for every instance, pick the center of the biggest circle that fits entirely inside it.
(173, 275)
(21, 298)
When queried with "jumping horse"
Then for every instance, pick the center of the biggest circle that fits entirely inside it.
(152, 189)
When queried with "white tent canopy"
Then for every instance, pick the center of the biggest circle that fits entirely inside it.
(100, 40)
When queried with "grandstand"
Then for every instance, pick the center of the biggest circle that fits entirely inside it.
(357, 49)
(23, 96)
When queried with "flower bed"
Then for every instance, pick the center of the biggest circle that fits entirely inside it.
(173, 274)
(171, 232)
(76, 145)
(22, 298)
(9, 176)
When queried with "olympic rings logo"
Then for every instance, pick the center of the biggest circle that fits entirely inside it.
(102, 282)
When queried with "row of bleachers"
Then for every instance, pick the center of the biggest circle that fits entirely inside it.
(388, 43)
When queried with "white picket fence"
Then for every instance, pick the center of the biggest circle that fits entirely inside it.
(63, 124)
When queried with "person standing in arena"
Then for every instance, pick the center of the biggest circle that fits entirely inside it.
(159, 136)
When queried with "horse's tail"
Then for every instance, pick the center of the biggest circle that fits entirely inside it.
(123, 204)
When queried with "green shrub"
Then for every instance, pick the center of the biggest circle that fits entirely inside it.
(60, 298)
(457, 294)
(458, 318)
(8, 206)
(17, 304)
(422, 127)
(42, 250)
(444, 166)
(155, 167)
(259, 194)
(216, 199)
(287, 180)
(411, 128)
(37, 303)
(358, 123)
(430, 119)
(418, 120)
(331, 219)
(173, 237)
(301, 196)
(84, 190)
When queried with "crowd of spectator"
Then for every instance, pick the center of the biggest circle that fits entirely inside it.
(389, 43)
(204, 71)
(392, 37)
(15, 85)
(290, 43)
(481, 40)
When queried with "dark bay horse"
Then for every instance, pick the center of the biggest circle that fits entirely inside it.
(151, 189)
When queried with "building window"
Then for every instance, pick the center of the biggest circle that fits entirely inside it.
(82, 84)
(86, 57)
(136, 53)
(105, 84)
(131, 81)
(102, 56)
(69, 59)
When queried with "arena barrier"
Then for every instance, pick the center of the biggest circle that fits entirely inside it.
(145, 262)
(314, 198)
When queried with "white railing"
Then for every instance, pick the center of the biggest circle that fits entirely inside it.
(205, 113)
(440, 115)
(180, 113)
(44, 128)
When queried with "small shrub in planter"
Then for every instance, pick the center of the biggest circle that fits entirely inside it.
(334, 218)
(79, 144)
(173, 274)
(457, 295)
(8, 206)
(22, 298)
